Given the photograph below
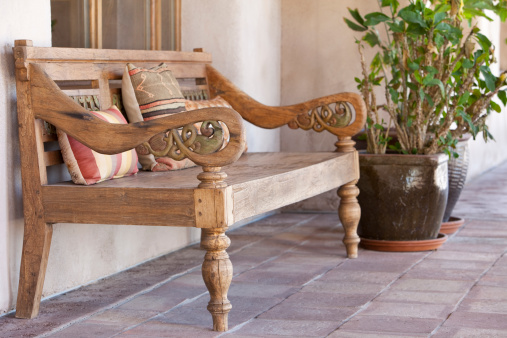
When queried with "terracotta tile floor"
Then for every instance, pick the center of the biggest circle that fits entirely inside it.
(292, 279)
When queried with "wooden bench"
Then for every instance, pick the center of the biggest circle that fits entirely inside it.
(206, 197)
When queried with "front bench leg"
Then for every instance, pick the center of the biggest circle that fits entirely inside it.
(350, 213)
(217, 274)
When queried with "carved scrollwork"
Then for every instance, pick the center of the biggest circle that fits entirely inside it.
(180, 143)
(324, 117)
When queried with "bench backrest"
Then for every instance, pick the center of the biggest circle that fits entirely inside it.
(92, 77)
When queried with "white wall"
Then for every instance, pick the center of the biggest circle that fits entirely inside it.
(484, 156)
(20, 19)
(245, 48)
(244, 38)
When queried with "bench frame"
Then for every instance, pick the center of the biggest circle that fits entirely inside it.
(42, 75)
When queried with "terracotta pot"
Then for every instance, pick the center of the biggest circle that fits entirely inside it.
(402, 197)
(457, 168)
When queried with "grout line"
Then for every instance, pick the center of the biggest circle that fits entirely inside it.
(192, 243)
(161, 314)
(157, 285)
(118, 303)
(237, 327)
(387, 287)
(467, 293)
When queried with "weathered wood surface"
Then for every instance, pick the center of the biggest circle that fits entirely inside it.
(53, 54)
(212, 197)
(217, 275)
(273, 117)
(256, 183)
(37, 234)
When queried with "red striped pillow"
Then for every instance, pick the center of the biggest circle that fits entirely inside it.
(86, 166)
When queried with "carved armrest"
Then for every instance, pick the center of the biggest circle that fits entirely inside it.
(50, 104)
(332, 113)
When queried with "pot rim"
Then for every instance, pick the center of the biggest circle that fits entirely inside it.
(438, 158)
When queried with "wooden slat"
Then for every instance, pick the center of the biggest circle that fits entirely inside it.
(66, 71)
(103, 205)
(54, 54)
(81, 92)
(49, 138)
(260, 182)
(276, 190)
(53, 158)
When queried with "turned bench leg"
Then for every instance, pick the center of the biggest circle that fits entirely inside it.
(34, 260)
(350, 213)
(217, 275)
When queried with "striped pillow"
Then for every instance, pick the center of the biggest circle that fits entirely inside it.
(86, 166)
(157, 91)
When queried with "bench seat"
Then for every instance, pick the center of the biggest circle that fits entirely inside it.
(257, 183)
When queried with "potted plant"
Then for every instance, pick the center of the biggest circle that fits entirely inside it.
(432, 67)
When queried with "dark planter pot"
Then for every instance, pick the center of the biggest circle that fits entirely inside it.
(402, 197)
(458, 168)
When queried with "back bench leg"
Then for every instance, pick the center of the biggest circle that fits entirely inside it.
(217, 275)
(350, 213)
(34, 260)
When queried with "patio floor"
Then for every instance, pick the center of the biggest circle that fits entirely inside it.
(291, 278)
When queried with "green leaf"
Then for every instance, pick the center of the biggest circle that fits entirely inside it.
(436, 82)
(375, 18)
(418, 77)
(394, 95)
(495, 106)
(413, 65)
(354, 26)
(467, 64)
(378, 126)
(439, 17)
(430, 100)
(483, 41)
(503, 97)
(355, 14)
(464, 98)
(415, 29)
(371, 38)
(396, 27)
(489, 78)
(452, 33)
(413, 17)
(431, 70)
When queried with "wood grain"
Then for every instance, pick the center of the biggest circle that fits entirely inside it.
(273, 117)
(228, 188)
(217, 275)
(284, 185)
(37, 232)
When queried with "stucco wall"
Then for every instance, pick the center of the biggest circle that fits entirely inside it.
(20, 19)
(244, 48)
(319, 57)
(244, 38)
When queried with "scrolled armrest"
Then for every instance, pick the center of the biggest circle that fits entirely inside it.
(332, 113)
(106, 138)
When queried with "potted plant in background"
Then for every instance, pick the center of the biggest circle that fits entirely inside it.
(434, 73)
